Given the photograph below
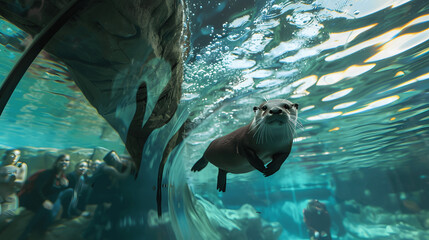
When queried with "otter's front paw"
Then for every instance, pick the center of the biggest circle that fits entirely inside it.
(271, 169)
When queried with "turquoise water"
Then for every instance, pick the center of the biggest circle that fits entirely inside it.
(47, 109)
(359, 71)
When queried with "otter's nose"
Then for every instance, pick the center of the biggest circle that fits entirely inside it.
(275, 111)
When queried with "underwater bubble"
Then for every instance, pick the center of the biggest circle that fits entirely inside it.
(234, 37)
(206, 30)
(356, 12)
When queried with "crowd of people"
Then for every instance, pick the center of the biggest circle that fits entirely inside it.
(57, 193)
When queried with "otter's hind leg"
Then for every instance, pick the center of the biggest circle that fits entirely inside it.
(221, 180)
(199, 165)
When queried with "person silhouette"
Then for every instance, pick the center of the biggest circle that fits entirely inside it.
(317, 220)
(40, 194)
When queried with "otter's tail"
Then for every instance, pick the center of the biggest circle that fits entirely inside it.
(199, 165)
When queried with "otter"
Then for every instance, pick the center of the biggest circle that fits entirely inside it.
(268, 138)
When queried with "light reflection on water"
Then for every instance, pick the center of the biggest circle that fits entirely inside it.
(352, 73)
(47, 109)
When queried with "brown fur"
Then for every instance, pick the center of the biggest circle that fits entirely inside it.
(268, 138)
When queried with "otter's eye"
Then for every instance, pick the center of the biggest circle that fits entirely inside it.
(295, 105)
(286, 106)
(264, 108)
(255, 109)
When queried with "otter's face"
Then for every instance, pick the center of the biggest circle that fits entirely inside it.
(277, 111)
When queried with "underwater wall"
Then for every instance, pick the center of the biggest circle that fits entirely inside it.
(323, 105)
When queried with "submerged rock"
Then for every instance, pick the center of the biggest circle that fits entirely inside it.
(161, 227)
(207, 221)
(251, 225)
(376, 223)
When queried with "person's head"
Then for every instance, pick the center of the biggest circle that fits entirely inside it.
(11, 157)
(95, 164)
(113, 159)
(81, 167)
(315, 206)
(62, 162)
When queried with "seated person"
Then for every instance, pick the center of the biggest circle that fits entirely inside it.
(104, 180)
(41, 191)
(80, 172)
(93, 166)
(12, 158)
(12, 175)
(105, 185)
(318, 221)
(74, 202)
(8, 198)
